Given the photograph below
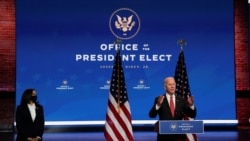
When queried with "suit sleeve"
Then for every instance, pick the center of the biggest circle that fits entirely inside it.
(41, 122)
(191, 113)
(20, 122)
(153, 112)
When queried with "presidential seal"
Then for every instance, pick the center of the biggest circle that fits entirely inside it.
(173, 126)
(124, 23)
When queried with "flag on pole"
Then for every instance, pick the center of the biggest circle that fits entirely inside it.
(118, 125)
(181, 77)
(182, 87)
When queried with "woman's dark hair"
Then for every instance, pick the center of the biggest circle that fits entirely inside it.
(26, 96)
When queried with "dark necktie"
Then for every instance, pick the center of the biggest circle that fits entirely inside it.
(172, 105)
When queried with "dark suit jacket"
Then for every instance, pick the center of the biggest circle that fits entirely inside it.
(164, 113)
(25, 125)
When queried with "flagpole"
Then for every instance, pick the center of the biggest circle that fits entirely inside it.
(182, 83)
(182, 43)
(118, 125)
(117, 43)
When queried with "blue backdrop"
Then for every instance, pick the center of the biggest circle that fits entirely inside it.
(65, 51)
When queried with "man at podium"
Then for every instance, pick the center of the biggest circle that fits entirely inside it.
(169, 106)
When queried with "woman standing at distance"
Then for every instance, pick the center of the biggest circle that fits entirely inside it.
(29, 118)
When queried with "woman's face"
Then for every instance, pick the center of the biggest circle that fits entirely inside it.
(33, 97)
(34, 93)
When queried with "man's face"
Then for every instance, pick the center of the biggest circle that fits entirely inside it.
(170, 86)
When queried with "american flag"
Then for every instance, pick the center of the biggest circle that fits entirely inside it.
(118, 125)
(182, 87)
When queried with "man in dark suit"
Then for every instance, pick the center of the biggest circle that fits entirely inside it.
(169, 106)
(29, 118)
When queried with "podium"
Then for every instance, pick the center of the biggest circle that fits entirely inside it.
(179, 126)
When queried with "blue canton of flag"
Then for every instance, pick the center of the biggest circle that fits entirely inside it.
(181, 77)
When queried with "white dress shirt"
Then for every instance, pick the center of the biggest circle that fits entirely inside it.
(32, 109)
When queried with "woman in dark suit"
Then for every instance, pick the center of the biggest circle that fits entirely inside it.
(162, 108)
(29, 118)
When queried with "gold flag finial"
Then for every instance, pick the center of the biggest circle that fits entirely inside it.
(117, 43)
(182, 43)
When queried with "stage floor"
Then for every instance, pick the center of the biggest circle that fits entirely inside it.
(239, 135)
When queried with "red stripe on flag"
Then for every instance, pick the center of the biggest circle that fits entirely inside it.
(110, 122)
